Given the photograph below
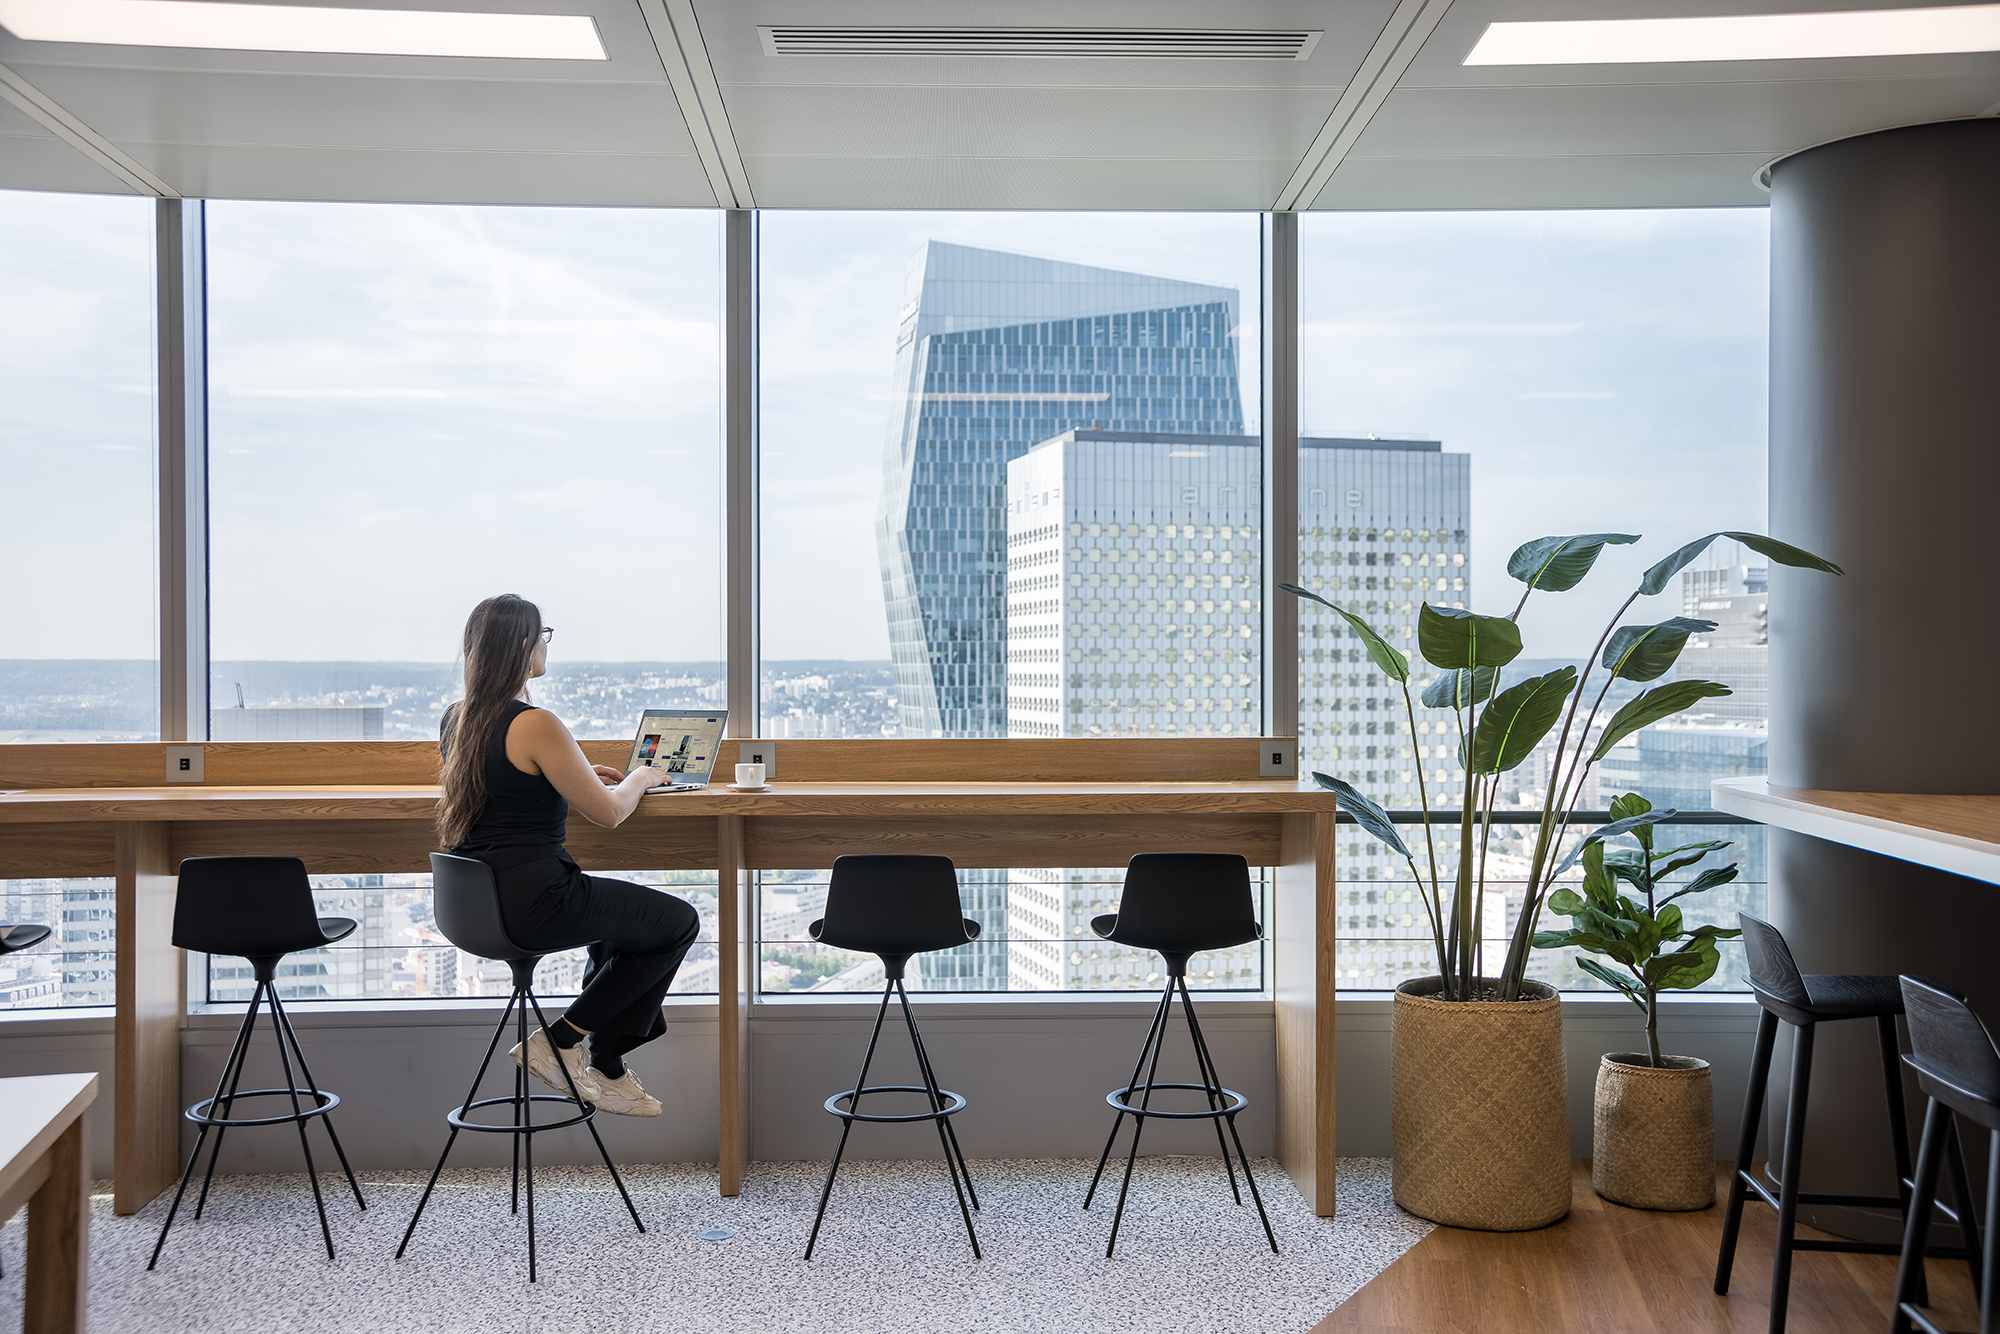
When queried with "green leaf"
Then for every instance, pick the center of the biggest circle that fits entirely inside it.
(1555, 940)
(1630, 986)
(1648, 708)
(1686, 968)
(1646, 652)
(1558, 564)
(1655, 580)
(1365, 812)
(1596, 883)
(1611, 830)
(1669, 921)
(1448, 689)
(1566, 902)
(1707, 880)
(1393, 664)
(1666, 864)
(1448, 637)
(1517, 720)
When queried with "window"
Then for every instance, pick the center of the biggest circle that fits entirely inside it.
(77, 964)
(1471, 381)
(414, 408)
(81, 661)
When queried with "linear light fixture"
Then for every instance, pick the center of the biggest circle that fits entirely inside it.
(820, 39)
(210, 25)
(1860, 32)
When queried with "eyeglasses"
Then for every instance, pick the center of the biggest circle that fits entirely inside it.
(548, 633)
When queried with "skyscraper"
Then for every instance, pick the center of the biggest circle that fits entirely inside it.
(996, 352)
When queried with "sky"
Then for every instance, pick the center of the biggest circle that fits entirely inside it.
(415, 407)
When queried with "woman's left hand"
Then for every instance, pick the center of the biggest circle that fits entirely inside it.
(607, 775)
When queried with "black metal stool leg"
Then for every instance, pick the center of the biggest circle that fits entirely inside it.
(1211, 1080)
(521, 1091)
(946, 1131)
(1968, 1208)
(1746, 1145)
(846, 1123)
(312, 1084)
(240, 1056)
(527, 1136)
(305, 1147)
(1139, 1126)
(937, 1106)
(1153, 1033)
(232, 1064)
(1989, 1308)
(1788, 1194)
(1917, 1227)
(577, 1094)
(498, 1030)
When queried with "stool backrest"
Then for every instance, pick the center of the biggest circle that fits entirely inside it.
(1181, 902)
(893, 905)
(1952, 1051)
(467, 904)
(1771, 966)
(256, 907)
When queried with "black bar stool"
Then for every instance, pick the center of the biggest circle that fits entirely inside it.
(260, 908)
(1178, 904)
(24, 936)
(1958, 1067)
(467, 903)
(1805, 1001)
(895, 907)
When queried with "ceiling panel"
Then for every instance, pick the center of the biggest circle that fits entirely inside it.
(1017, 183)
(1694, 180)
(229, 171)
(32, 158)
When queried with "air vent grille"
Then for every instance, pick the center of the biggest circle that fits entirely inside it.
(800, 39)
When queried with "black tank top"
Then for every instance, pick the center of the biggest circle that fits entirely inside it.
(524, 818)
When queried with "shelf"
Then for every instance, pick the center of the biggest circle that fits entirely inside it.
(1953, 833)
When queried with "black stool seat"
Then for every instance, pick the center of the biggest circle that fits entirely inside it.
(24, 936)
(467, 903)
(1806, 1000)
(1179, 904)
(1958, 1067)
(895, 907)
(259, 908)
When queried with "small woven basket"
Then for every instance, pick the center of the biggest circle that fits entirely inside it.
(1654, 1132)
(1480, 1113)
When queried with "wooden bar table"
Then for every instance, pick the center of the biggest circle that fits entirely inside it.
(368, 807)
(1960, 834)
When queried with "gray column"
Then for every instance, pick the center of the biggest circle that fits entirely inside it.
(181, 293)
(739, 414)
(1280, 360)
(1885, 458)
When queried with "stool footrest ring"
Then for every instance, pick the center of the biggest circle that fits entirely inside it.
(955, 1101)
(458, 1119)
(202, 1112)
(1233, 1102)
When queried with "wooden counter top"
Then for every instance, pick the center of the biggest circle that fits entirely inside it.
(1960, 834)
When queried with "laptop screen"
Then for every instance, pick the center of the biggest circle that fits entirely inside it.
(680, 743)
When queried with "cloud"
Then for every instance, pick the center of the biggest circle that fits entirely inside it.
(1440, 329)
(1596, 395)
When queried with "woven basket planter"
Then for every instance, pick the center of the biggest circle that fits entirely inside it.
(1655, 1133)
(1480, 1113)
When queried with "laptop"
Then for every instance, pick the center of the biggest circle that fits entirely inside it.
(680, 744)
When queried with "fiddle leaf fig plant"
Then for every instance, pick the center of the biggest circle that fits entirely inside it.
(1500, 723)
(1649, 939)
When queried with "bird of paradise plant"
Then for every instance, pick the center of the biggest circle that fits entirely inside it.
(1498, 729)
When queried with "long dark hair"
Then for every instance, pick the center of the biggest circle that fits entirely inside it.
(499, 645)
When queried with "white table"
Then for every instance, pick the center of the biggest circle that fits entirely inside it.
(44, 1165)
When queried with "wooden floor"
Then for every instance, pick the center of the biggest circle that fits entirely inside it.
(1607, 1269)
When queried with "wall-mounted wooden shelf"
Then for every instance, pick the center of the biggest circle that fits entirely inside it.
(1953, 833)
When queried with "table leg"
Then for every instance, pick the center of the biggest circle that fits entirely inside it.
(736, 971)
(59, 1239)
(1301, 929)
(147, 1032)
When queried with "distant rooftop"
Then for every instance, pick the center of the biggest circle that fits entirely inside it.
(1305, 441)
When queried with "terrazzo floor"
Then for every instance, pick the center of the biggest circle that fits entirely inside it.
(892, 1255)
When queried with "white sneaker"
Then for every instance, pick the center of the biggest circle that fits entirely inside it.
(622, 1096)
(542, 1061)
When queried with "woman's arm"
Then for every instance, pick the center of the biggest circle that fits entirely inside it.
(538, 743)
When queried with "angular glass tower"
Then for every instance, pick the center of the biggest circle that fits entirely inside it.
(997, 352)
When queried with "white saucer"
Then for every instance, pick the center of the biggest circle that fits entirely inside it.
(737, 787)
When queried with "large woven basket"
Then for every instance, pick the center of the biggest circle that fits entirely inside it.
(1480, 1113)
(1654, 1133)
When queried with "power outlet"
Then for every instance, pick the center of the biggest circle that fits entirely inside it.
(759, 752)
(1279, 757)
(184, 764)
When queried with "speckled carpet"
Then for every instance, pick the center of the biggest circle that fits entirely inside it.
(892, 1255)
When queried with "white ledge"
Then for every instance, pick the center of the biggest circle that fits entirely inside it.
(1939, 831)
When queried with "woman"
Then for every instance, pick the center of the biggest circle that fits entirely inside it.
(511, 774)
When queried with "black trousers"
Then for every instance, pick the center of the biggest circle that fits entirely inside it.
(637, 938)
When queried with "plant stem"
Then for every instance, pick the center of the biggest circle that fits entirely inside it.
(1430, 846)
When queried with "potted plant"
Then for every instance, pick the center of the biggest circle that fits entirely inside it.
(1654, 1118)
(1480, 1118)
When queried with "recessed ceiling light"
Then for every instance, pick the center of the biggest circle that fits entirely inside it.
(1862, 32)
(361, 32)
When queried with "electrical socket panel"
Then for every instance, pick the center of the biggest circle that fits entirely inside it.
(183, 764)
(1278, 758)
(759, 752)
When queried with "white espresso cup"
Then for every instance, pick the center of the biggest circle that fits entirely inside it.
(749, 775)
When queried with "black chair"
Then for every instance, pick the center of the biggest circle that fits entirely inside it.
(1178, 904)
(467, 904)
(16, 938)
(1806, 1000)
(1958, 1068)
(896, 907)
(262, 909)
